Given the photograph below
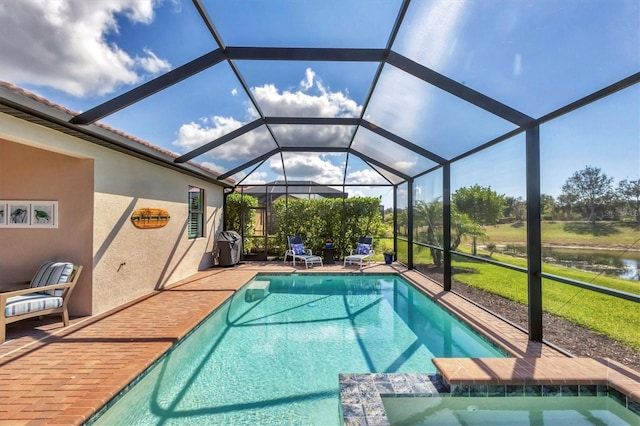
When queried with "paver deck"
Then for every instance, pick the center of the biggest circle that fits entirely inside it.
(55, 375)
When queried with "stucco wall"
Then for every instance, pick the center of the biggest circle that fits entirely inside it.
(125, 262)
(130, 262)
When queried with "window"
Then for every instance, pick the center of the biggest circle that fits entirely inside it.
(196, 212)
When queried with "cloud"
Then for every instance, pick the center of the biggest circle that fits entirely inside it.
(309, 167)
(323, 103)
(307, 83)
(213, 166)
(192, 135)
(63, 45)
(255, 178)
(152, 64)
(365, 177)
(326, 136)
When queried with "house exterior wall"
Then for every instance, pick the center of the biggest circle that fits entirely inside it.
(121, 261)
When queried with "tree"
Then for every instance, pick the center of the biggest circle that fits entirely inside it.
(240, 217)
(589, 186)
(430, 214)
(548, 205)
(481, 205)
(629, 192)
(515, 208)
(461, 225)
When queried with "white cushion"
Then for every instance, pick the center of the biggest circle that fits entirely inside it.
(18, 305)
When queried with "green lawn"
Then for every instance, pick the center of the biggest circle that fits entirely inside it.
(604, 234)
(614, 317)
(608, 315)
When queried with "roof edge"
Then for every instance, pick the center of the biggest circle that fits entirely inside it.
(30, 107)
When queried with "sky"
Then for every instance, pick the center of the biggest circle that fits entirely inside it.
(534, 56)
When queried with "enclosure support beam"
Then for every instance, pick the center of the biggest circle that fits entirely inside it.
(446, 225)
(149, 88)
(395, 219)
(534, 238)
(410, 224)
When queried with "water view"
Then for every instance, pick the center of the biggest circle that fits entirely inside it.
(623, 264)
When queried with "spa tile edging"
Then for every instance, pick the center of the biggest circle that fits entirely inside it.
(549, 376)
(361, 394)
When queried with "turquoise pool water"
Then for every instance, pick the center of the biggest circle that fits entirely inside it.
(509, 411)
(272, 354)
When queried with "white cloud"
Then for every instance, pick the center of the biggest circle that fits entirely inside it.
(213, 166)
(406, 165)
(255, 178)
(192, 135)
(63, 45)
(301, 104)
(354, 193)
(325, 136)
(365, 177)
(152, 64)
(307, 83)
(255, 143)
(309, 167)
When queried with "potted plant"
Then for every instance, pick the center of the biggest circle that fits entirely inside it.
(388, 255)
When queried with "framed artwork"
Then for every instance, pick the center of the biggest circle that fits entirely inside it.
(28, 214)
(44, 214)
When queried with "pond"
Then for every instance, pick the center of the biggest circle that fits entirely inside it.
(624, 264)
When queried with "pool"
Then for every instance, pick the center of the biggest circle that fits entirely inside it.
(273, 353)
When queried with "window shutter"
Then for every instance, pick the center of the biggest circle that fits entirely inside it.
(195, 228)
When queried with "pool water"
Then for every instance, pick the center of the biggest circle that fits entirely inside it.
(508, 411)
(272, 355)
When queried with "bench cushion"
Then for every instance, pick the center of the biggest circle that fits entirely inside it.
(18, 305)
(52, 273)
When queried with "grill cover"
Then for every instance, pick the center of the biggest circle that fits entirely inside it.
(229, 248)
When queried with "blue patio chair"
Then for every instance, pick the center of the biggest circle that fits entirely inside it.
(297, 251)
(361, 253)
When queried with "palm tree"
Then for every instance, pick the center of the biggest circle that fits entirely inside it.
(430, 215)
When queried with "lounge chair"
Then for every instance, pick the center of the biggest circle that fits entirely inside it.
(297, 251)
(48, 293)
(361, 253)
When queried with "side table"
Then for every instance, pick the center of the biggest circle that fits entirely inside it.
(329, 256)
